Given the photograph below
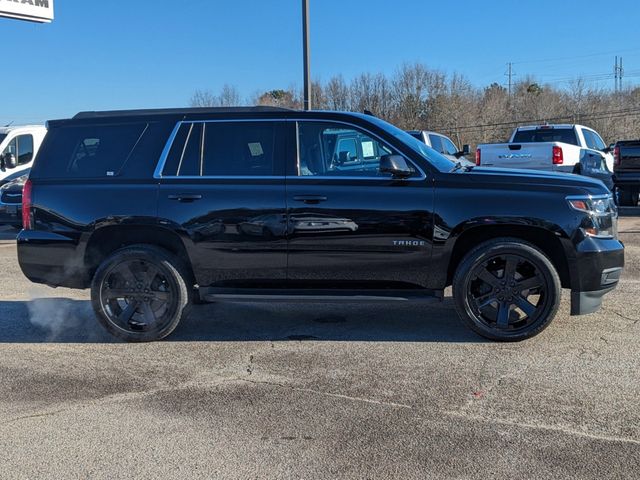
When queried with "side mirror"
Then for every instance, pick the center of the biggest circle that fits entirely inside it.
(466, 150)
(10, 161)
(609, 149)
(396, 165)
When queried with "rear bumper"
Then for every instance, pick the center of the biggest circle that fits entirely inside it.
(51, 259)
(596, 271)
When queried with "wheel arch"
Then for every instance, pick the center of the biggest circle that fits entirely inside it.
(106, 240)
(545, 240)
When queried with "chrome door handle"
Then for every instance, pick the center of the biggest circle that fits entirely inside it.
(185, 197)
(310, 199)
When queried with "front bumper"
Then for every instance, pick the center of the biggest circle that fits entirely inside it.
(595, 271)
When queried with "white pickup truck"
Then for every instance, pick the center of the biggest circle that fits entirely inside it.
(18, 148)
(556, 148)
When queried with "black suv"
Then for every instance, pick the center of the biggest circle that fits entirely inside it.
(156, 209)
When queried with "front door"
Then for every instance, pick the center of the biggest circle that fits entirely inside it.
(350, 225)
(222, 188)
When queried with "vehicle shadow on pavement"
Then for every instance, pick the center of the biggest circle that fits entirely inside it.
(59, 320)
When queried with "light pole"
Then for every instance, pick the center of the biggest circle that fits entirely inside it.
(306, 53)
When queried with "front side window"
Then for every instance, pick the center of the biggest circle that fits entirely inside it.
(225, 149)
(449, 146)
(22, 148)
(12, 148)
(329, 149)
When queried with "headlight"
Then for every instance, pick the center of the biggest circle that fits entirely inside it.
(602, 215)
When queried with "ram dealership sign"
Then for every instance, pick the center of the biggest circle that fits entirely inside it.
(31, 10)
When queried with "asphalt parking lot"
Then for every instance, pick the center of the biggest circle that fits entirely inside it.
(317, 391)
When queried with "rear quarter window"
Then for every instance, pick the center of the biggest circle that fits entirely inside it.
(91, 151)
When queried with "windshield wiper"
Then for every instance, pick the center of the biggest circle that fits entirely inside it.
(456, 167)
(459, 166)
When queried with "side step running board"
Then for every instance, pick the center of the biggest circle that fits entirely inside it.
(306, 295)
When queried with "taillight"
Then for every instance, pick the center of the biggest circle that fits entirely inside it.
(478, 157)
(27, 192)
(558, 157)
(616, 155)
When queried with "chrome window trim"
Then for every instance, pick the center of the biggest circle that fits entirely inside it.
(167, 149)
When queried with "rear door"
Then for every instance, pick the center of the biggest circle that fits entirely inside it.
(350, 225)
(222, 187)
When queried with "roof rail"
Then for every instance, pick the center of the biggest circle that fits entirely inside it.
(177, 111)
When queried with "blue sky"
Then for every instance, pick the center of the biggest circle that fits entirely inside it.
(129, 54)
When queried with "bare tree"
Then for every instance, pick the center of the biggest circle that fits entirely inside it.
(228, 97)
(416, 97)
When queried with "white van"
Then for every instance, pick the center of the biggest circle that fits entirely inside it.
(18, 148)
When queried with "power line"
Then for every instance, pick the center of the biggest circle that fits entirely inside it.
(582, 116)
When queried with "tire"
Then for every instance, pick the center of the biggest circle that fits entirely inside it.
(140, 293)
(507, 290)
(627, 197)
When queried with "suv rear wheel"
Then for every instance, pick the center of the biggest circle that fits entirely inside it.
(139, 293)
(506, 289)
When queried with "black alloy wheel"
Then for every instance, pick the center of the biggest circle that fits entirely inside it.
(507, 289)
(139, 293)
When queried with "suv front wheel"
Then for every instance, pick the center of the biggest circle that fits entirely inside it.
(139, 293)
(506, 289)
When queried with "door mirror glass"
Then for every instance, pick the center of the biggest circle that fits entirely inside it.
(396, 165)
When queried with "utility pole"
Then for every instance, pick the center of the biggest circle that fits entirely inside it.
(306, 52)
(618, 74)
(510, 74)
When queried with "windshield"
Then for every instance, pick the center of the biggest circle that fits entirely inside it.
(442, 163)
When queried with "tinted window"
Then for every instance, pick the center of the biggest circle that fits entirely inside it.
(326, 149)
(93, 151)
(564, 135)
(226, 149)
(190, 164)
(592, 140)
(25, 149)
(436, 143)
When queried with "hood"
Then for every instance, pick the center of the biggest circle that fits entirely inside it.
(535, 178)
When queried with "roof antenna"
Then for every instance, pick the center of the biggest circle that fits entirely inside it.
(9, 124)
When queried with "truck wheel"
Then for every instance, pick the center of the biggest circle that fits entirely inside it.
(627, 197)
(139, 293)
(506, 289)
